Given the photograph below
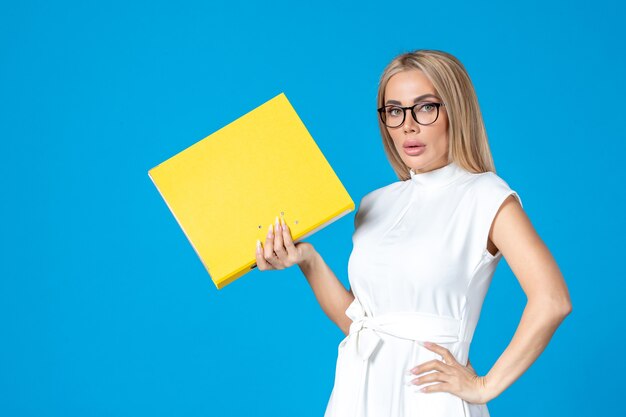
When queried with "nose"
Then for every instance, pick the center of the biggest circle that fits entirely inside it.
(410, 125)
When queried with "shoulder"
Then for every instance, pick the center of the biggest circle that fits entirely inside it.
(489, 191)
(486, 181)
(382, 193)
(489, 185)
(378, 200)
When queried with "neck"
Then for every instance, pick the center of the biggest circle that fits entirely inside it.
(437, 177)
(434, 166)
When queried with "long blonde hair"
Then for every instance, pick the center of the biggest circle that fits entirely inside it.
(468, 145)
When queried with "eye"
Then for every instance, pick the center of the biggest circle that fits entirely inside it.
(394, 111)
(426, 107)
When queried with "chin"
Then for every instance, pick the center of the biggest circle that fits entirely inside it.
(422, 165)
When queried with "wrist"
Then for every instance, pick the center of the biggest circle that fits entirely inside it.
(488, 392)
(308, 256)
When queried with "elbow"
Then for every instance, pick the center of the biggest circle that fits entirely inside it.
(562, 310)
(566, 309)
(563, 305)
(559, 312)
(550, 307)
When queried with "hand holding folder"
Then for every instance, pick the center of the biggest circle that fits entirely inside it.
(288, 252)
(225, 189)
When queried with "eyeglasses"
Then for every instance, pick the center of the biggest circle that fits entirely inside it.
(424, 113)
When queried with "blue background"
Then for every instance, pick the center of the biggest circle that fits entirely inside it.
(105, 308)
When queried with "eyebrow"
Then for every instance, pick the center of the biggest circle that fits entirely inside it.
(414, 101)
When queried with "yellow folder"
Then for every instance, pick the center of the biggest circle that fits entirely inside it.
(226, 189)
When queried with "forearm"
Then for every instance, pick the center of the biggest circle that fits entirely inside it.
(329, 291)
(539, 321)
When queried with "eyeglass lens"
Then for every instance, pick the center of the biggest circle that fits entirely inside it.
(425, 113)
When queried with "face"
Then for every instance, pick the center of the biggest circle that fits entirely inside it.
(403, 89)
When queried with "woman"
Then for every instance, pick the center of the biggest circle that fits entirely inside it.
(425, 250)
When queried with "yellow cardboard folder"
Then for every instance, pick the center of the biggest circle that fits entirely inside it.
(226, 189)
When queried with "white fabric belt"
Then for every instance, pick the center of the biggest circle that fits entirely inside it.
(363, 339)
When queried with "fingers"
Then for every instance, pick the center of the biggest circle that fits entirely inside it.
(449, 376)
(432, 365)
(279, 249)
(443, 387)
(260, 258)
(445, 353)
(287, 241)
(432, 377)
(268, 250)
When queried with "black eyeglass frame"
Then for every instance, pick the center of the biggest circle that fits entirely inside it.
(412, 108)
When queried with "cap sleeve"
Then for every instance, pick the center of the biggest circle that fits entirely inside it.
(490, 193)
(361, 214)
(368, 210)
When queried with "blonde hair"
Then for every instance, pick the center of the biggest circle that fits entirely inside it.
(468, 145)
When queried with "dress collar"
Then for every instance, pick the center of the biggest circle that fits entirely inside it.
(437, 177)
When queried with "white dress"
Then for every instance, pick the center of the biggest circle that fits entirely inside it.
(419, 271)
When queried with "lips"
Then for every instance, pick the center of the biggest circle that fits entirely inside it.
(412, 143)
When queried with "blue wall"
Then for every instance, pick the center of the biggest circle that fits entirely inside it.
(105, 308)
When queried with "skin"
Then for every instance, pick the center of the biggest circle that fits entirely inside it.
(279, 251)
(512, 233)
(404, 87)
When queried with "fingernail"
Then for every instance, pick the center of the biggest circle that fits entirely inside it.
(409, 372)
(277, 225)
(270, 231)
(258, 246)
